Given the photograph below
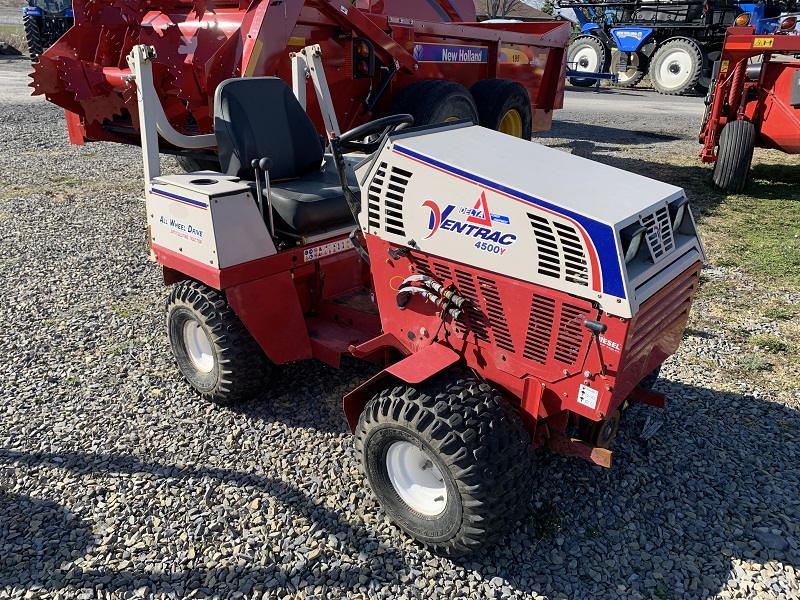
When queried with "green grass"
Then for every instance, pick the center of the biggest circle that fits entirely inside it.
(753, 363)
(770, 344)
(14, 35)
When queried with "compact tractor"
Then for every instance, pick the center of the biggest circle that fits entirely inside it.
(753, 102)
(510, 311)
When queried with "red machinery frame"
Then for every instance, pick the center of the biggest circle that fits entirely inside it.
(197, 48)
(765, 102)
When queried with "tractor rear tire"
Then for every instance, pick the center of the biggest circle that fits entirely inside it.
(449, 461)
(214, 351)
(588, 53)
(676, 67)
(33, 35)
(191, 165)
(504, 106)
(635, 72)
(435, 101)
(735, 153)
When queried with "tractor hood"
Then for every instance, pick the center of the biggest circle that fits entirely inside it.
(517, 208)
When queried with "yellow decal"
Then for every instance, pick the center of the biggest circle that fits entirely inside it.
(723, 68)
(763, 42)
(514, 57)
(296, 41)
(251, 64)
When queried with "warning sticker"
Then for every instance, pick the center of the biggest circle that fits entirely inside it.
(587, 396)
(763, 42)
(326, 249)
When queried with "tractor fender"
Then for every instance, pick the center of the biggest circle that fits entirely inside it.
(414, 369)
(631, 39)
(595, 30)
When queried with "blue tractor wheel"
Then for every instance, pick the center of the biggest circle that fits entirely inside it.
(587, 53)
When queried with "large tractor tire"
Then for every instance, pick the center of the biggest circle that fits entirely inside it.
(191, 165)
(449, 461)
(734, 156)
(214, 351)
(587, 53)
(33, 35)
(637, 67)
(503, 106)
(435, 101)
(676, 67)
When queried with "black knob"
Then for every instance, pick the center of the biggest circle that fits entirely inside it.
(265, 164)
(596, 327)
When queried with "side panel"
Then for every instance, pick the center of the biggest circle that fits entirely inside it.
(271, 311)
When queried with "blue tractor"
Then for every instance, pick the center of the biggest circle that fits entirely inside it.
(45, 21)
(674, 42)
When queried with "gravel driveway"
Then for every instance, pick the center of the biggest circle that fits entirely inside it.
(117, 481)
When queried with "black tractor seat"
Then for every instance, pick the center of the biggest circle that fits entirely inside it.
(257, 117)
(308, 204)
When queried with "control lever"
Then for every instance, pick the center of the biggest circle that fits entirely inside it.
(265, 165)
(596, 328)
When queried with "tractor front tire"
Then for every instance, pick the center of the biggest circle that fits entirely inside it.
(587, 53)
(676, 67)
(504, 106)
(435, 101)
(734, 156)
(449, 461)
(33, 35)
(214, 350)
(637, 67)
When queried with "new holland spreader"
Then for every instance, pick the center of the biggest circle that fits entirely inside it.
(424, 57)
(510, 310)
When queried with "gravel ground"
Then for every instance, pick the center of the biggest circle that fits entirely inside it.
(116, 481)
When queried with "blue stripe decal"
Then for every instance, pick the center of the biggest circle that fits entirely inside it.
(602, 235)
(196, 203)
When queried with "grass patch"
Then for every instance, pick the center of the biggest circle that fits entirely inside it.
(753, 363)
(770, 344)
(780, 313)
(14, 35)
(546, 522)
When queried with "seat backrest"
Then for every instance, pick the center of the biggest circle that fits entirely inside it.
(256, 117)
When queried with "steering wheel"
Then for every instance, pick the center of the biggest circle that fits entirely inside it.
(354, 139)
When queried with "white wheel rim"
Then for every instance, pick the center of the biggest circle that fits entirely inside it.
(633, 67)
(416, 479)
(586, 59)
(198, 346)
(675, 69)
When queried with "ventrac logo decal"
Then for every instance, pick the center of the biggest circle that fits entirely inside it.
(475, 222)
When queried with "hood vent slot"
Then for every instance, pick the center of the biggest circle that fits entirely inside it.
(561, 253)
(659, 234)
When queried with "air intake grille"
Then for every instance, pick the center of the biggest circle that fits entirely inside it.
(494, 310)
(540, 326)
(560, 251)
(385, 199)
(570, 334)
(467, 288)
(659, 233)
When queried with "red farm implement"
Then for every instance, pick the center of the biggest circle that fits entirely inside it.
(425, 58)
(751, 104)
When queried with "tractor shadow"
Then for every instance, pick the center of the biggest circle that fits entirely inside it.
(717, 495)
(601, 134)
(317, 404)
(45, 547)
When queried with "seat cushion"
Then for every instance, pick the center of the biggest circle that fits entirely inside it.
(309, 204)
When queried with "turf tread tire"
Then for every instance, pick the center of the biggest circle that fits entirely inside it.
(433, 101)
(33, 36)
(735, 153)
(696, 55)
(603, 58)
(241, 367)
(496, 97)
(480, 441)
